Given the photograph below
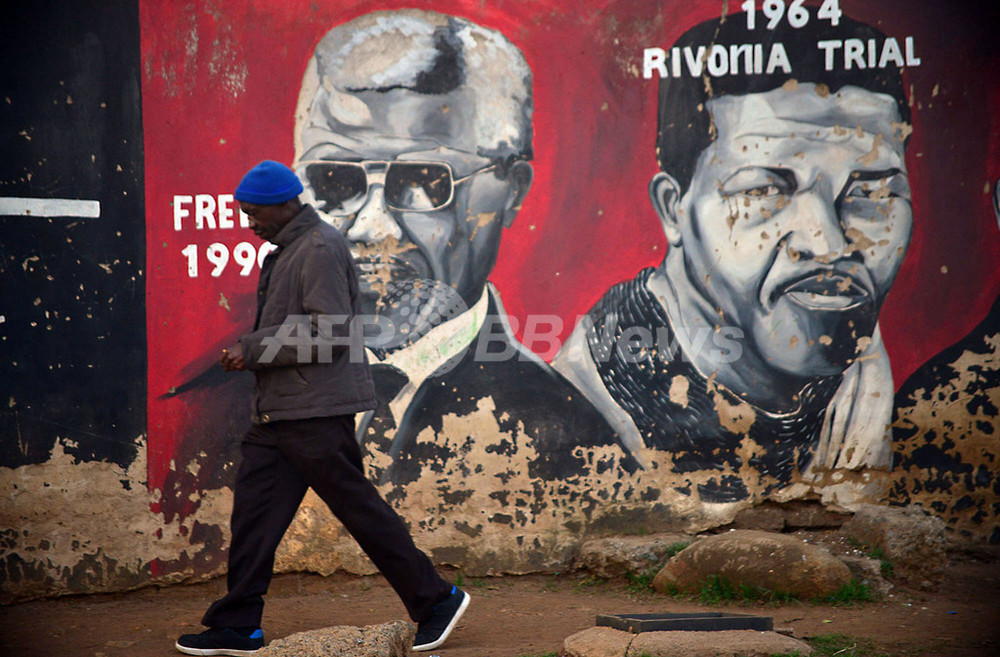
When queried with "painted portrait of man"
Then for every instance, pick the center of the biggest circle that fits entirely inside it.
(414, 138)
(784, 197)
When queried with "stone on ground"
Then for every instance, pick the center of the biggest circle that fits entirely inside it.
(608, 642)
(797, 514)
(912, 541)
(393, 639)
(774, 562)
(868, 571)
(598, 642)
(616, 556)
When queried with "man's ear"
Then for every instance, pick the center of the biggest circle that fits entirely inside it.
(520, 175)
(665, 194)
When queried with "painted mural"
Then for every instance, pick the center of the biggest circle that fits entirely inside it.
(754, 352)
(724, 340)
(627, 266)
(421, 155)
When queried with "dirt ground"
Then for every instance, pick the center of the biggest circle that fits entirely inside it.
(509, 616)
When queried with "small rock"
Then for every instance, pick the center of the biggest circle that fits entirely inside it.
(912, 540)
(801, 514)
(868, 571)
(729, 643)
(597, 642)
(774, 562)
(393, 639)
(608, 642)
(797, 514)
(616, 556)
(765, 517)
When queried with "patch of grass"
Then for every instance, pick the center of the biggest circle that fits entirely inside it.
(674, 548)
(717, 590)
(842, 645)
(885, 565)
(459, 580)
(552, 583)
(848, 594)
(641, 582)
(877, 553)
(674, 592)
(590, 581)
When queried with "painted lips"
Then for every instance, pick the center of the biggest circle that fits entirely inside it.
(832, 291)
(375, 266)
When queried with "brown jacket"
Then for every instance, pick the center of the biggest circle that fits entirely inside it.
(307, 361)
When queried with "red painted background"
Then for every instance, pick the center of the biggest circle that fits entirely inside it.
(221, 81)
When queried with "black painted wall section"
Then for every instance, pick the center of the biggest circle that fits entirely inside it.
(72, 289)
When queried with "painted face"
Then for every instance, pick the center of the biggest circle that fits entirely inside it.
(797, 220)
(433, 225)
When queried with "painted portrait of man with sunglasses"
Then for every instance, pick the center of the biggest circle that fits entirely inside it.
(419, 158)
(413, 137)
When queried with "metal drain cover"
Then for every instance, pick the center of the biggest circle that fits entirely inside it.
(709, 621)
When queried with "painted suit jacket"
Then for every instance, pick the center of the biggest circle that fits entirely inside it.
(527, 413)
(634, 396)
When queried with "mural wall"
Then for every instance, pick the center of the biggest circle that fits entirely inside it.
(627, 266)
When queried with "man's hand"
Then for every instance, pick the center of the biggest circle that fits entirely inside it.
(232, 358)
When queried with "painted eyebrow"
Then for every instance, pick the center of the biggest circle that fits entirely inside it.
(863, 176)
(867, 175)
(779, 175)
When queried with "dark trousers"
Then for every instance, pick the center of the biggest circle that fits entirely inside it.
(281, 460)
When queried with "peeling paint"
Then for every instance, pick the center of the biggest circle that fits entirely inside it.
(43, 554)
(737, 417)
(947, 437)
(679, 391)
(534, 523)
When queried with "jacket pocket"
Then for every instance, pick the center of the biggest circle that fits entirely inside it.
(289, 382)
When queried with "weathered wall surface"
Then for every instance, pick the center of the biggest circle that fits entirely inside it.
(946, 434)
(72, 299)
(72, 527)
(634, 268)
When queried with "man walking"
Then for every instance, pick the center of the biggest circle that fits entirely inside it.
(306, 392)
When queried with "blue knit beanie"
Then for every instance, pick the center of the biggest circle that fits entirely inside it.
(268, 183)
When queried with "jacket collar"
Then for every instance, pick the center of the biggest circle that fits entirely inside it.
(302, 222)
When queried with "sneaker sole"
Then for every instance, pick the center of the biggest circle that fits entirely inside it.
(208, 652)
(454, 621)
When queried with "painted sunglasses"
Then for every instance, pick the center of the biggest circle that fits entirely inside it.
(342, 187)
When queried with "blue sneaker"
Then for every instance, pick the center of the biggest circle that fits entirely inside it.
(432, 632)
(222, 641)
